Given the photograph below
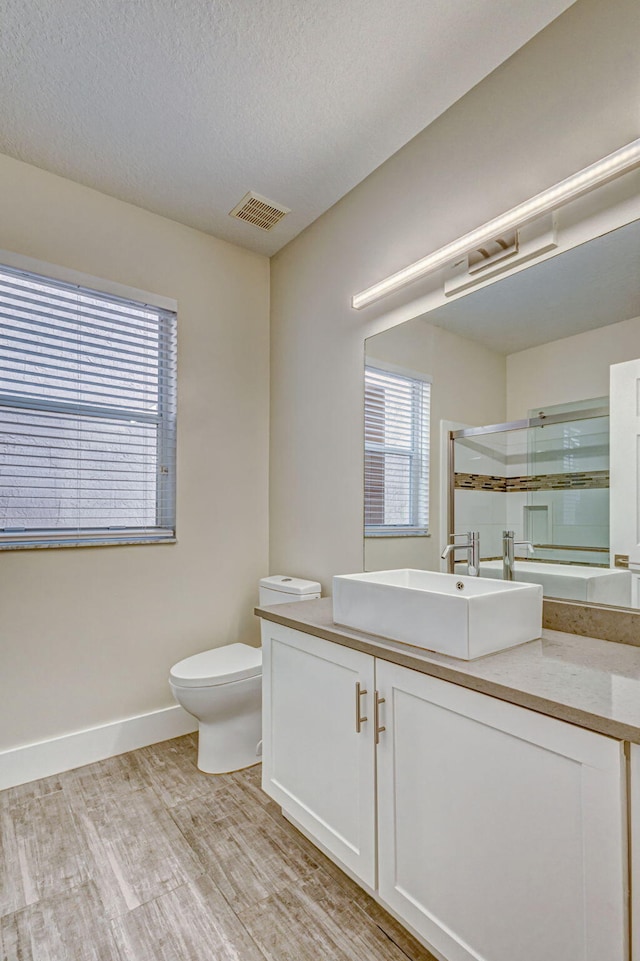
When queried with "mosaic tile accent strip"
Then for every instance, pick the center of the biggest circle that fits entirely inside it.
(583, 480)
(479, 482)
(593, 480)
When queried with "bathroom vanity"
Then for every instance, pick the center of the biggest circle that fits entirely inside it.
(489, 804)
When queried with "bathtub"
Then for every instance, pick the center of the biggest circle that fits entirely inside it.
(599, 585)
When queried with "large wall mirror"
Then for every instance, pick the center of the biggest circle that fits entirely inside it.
(553, 355)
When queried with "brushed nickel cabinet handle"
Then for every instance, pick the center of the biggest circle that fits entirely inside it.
(360, 692)
(379, 728)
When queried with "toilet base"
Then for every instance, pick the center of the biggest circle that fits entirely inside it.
(236, 770)
(229, 746)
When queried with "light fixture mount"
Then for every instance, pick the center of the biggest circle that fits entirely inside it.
(614, 165)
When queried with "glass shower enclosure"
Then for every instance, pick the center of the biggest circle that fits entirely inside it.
(546, 478)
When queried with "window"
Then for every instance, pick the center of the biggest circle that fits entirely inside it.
(396, 452)
(87, 416)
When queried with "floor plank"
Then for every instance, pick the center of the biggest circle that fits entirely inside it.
(247, 860)
(310, 922)
(173, 771)
(13, 895)
(13, 796)
(51, 854)
(392, 928)
(12, 892)
(115, 777)
(366, 937)
(192, 923)
(137, 851)
(68, 927)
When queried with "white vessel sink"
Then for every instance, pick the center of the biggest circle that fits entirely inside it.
(464, 617)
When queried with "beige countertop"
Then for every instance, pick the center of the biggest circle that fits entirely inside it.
(582, 680)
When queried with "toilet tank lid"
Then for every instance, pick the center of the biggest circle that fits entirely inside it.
(290, 585)
(233, 662)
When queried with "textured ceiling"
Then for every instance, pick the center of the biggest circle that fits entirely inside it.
(181, 106)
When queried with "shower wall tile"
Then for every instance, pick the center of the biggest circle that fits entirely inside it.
(490, 540)
(582, 536)
(516, 503)
(476, 507)
(485, 512)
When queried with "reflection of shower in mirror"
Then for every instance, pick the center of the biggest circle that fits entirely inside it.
(546, 479)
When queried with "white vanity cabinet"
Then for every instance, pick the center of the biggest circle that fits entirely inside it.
(634, 824)
(501, 833)
(315, 762)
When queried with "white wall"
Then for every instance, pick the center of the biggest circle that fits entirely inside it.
(564, 100)
(87, 636)
(469, 386)
(571, 369)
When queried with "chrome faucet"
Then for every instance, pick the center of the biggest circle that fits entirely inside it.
(509, 544)
(471, 546)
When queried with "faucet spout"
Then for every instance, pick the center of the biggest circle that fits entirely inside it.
(471, 545)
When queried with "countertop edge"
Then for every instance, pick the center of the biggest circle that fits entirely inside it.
(392, 651)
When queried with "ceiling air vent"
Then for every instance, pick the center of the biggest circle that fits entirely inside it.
(259, 211)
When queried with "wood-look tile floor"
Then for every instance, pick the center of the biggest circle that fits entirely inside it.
(143, 858)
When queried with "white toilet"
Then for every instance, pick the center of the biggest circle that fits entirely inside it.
(222, 688)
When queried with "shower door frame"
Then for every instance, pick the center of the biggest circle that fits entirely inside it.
(542, 420)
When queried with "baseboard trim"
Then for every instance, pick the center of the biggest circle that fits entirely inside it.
(55, 755)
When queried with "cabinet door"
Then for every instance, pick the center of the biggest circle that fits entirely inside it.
(316, 764)
(634, 822)
(502, 833)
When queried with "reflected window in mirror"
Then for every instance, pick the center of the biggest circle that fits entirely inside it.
(397, 413)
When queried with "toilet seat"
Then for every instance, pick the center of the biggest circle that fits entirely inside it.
(233, 662)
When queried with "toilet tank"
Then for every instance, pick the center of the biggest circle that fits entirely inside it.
(281, 589)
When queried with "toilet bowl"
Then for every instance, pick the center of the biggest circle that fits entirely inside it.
(222, 689)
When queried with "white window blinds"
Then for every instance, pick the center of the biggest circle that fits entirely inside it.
(87, 416)
(397, 408)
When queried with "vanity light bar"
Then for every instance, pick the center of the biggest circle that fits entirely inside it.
(616, 164)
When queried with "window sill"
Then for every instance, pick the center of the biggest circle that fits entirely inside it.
(397, 533)
(21, 542)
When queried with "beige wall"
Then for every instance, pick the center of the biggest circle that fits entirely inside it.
(469, 386)
(564, 100)
(87, 636)
(575, 368)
